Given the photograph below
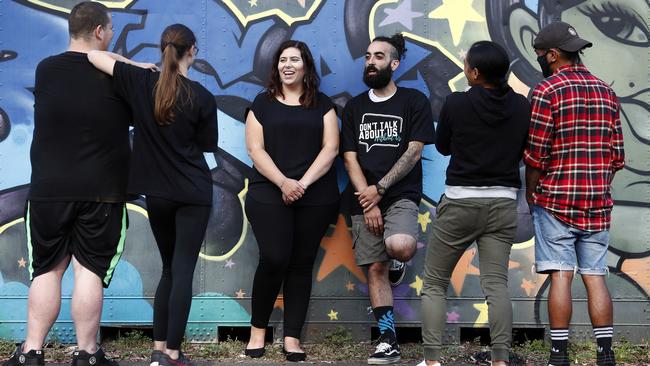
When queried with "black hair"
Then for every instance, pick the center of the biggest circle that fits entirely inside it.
(492, 62)
(573, 57)
(85, 17)
(398, 43)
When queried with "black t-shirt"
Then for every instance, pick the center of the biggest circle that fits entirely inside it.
(379, 132)
(168, 160)
(80, 149)
(293, 138)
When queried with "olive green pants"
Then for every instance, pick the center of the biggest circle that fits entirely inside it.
(492, 223)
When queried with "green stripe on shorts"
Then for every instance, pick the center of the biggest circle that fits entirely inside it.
(30, 248)
(120, 249)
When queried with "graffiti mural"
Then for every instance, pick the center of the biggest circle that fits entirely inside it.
(237, 39)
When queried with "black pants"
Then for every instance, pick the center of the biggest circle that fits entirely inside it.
(288, 238)
(179, 229)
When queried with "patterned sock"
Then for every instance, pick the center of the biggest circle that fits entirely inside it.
(385, 321)
(604, 338)
(559, 342)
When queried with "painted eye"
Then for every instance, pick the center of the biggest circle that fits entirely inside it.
(619, 24)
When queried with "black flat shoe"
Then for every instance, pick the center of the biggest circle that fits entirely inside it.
(294, 356)
(254, 352)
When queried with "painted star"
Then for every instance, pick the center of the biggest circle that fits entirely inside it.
(482, 315)
(528, 286)
(21, 262)
(339, 253)
(417, 285)
(229, 264)
(401, 14)
(463, 268)
(240, 294)
(453, 317)
(334, 315)
(457, 13)
(350, 286)
(301, 2)
(462, 54)
(252, 3)
(424, 220)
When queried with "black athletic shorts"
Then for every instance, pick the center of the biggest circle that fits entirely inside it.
(93, 232)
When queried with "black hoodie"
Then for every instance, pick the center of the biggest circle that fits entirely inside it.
(484, 131)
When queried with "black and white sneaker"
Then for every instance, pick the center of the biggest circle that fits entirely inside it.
(386, 352)
(155, 358)
(31, 358)
(396, 272)
(83, 358)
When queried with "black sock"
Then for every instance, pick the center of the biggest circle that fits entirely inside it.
(604, 337)
(385, 321)
(559, 340)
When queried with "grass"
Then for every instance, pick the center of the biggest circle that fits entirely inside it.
(337, 346)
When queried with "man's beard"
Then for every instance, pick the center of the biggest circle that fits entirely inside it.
(380, 80)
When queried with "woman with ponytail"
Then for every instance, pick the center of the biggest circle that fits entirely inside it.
(484, 130)
(175, 121)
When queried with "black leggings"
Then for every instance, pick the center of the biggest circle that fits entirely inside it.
(288, 238)
(179, 229)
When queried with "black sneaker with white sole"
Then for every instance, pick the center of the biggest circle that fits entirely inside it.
(83, 358)
(396, 272)
(155, 358)
(386, 352)
(31, 358)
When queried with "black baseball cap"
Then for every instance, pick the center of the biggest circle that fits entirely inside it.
(560, 35)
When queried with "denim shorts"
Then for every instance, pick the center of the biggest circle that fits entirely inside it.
(560, 247)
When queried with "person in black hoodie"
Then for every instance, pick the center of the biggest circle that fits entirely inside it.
(484, 130)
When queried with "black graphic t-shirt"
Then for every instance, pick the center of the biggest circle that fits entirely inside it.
(293, 138)
(379, 132)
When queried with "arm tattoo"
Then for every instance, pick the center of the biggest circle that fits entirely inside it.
(403, 166)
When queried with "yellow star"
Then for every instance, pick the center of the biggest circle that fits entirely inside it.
(22, 262)
(482, 315)
(457, 13)
(334, 315)
(350, 286)
(424, 220)
(252, 3)
(417, 285)
(240, 294)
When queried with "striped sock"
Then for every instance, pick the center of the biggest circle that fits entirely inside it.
(604, 338)
(559, 340)
(385, 321)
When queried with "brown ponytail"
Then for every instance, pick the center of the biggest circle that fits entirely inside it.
(175, 41)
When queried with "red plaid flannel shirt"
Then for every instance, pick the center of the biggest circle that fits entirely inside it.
(576, 140)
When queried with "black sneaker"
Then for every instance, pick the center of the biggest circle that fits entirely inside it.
(605, 358)
(386, 352)
(485, 358)
(182, 360)
(31, 358)
(155, 357)
(83, 358)
(482, 358)
(396, 272)
(558, 359)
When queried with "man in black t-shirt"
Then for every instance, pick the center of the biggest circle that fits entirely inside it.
(382, 136)
(76, 205)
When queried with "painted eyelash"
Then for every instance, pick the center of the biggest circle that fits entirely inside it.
(612, 10)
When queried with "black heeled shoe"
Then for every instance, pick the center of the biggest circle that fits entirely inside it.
(294, 356)
(254, 352)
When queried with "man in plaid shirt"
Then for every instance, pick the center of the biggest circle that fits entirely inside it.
(575, 145)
